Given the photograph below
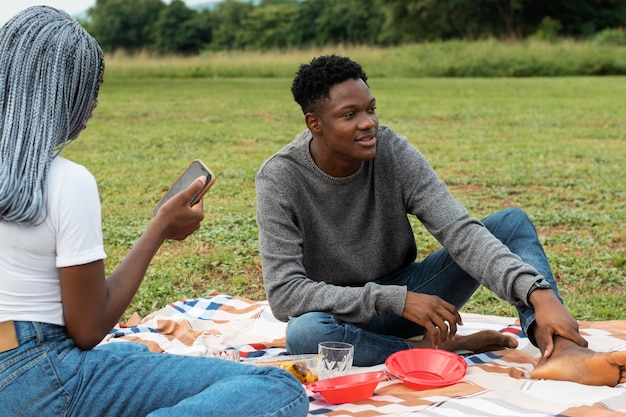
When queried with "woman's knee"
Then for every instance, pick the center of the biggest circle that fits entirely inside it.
(280, 385)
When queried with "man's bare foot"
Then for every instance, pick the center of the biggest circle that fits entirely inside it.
(482, 341)
(571, 362)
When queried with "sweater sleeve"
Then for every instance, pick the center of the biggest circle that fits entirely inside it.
(465, 238)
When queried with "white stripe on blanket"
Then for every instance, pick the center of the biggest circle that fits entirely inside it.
(496, 384)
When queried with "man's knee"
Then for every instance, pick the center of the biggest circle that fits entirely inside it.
(516, 214)
(509, 214)
(306, 331)
(508, 221)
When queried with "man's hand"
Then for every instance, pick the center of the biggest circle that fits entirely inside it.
(438, 317)
(552, 318)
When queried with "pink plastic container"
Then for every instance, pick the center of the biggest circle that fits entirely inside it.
(348, 388)
(426, 368)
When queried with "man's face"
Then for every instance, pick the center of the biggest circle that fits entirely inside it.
(344, 127)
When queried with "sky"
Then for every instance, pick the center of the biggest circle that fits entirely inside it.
(9, 8)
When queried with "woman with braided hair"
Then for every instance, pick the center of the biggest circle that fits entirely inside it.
(56, 304)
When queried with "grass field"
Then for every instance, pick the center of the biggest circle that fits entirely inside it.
(553, 146)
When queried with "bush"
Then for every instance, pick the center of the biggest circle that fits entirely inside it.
(612, 36)
(548, 30)
(454, 58)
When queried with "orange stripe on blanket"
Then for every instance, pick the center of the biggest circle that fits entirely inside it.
(614, 328)
(512, 362)
(152, 346)
(611, 326)
(253, 305)
(230, 309)
(596, 410)
(415, 397)
(180, 330)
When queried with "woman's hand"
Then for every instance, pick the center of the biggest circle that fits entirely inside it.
(438, 317)
(177, 217)
(92, 304)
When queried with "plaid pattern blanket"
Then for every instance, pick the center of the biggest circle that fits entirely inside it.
(496, 384)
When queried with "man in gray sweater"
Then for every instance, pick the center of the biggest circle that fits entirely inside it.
(339, 254)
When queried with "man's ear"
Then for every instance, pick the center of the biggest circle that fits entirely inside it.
(313, 122)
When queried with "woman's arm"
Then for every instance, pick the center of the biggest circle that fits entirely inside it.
(92, 304)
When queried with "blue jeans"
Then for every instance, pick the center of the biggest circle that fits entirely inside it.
(436, 275)
(47, 375)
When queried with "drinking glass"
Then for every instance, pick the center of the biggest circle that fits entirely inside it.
(336, 359)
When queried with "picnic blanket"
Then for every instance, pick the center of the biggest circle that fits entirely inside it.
(496, 384)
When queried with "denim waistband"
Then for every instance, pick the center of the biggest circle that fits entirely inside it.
(41, 332)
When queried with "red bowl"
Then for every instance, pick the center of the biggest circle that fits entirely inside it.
(426, 368)
(348, 388)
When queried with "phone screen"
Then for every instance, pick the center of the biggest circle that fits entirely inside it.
(194, 170)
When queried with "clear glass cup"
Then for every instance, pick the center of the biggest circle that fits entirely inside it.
(336, 359)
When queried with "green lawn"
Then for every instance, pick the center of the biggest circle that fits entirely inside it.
(553, 146)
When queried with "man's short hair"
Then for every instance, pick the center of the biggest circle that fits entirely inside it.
(314, 80)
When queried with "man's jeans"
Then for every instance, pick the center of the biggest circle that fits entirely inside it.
(437, 275)
(47, 375)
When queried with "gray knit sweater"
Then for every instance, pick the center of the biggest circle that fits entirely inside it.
(324, 240)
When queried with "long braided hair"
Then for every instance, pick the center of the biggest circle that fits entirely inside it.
(50, 73)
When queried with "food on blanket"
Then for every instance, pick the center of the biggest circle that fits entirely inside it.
(426, 368)
(303, 367)
(300, 371)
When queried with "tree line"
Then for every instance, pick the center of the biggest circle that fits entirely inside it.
(152, 25)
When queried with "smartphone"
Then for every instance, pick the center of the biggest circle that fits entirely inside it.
(194, 170)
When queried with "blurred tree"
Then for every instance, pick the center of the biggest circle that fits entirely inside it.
(122, 24)
(427, 20)
(228, 17)
(578, 18)
(263, 24)
(275, 2)
(421, 20)
(271, 26)
(413, 20)
(178, 30)
(308, 13)
(351, 22)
